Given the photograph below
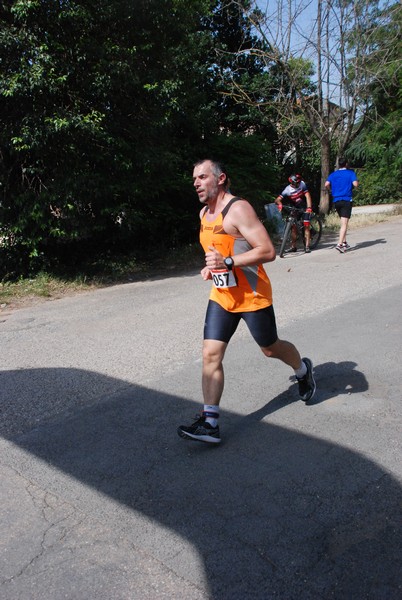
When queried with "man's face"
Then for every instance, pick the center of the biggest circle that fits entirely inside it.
(205, 182)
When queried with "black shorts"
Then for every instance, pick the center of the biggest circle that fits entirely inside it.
(220, 324)
(343, 208)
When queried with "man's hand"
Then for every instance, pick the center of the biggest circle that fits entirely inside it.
(214, 259)
(206, 274)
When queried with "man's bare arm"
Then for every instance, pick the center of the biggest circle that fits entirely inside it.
(242, 222)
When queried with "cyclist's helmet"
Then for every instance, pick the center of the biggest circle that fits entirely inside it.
(295, 179)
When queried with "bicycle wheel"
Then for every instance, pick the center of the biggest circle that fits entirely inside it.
(315, 231)
(285, 238)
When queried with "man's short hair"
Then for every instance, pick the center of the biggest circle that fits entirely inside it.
(342, 162)
(217, 168)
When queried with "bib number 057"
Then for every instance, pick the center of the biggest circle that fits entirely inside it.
(223, 278)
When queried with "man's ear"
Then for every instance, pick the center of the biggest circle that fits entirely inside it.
(222, 179)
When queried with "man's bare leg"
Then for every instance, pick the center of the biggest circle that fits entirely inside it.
(307, 236)
(343, 230)
(205, 428)
(284, 351)
(288, 354)
(213, 379)
(294, 236)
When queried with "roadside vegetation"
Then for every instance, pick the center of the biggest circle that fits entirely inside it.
(104, 108)
(123, 269)
(361, 220)
(102, 272)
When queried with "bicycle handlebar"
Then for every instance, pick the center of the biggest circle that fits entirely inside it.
(287, 211)
(291, 209)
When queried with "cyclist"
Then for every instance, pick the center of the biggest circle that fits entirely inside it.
(297, 194)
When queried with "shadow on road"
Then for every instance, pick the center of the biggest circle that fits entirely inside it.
(272, 513)
(334, 379)
(330, 240)
(362, 245)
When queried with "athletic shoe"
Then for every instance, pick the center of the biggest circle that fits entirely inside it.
(307, 384)
(307, 250)
(345, 246)
(340, 248)
(201, 431)
(292, 249)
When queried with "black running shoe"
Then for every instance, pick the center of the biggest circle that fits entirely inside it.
(200, 431)
(307, 384)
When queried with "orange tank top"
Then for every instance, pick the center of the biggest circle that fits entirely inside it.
(244, 289)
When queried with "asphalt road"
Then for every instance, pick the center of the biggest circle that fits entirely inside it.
(100, 499)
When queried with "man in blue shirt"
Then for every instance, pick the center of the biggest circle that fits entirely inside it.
(341, 183)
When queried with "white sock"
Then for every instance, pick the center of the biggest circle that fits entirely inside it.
(301, 371)
(212, 414)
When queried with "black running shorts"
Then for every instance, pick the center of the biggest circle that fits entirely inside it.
(221, 324)
(343, 208)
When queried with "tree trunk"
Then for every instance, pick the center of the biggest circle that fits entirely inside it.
(325, 170)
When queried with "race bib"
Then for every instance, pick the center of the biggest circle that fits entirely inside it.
(223, 278)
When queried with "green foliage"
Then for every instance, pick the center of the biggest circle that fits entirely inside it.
(249, 163)
(91, 108)
(299, 72)
(378, 148)
(104, 107)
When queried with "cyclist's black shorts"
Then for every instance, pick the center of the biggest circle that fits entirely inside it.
(343, 208)
(220, 324)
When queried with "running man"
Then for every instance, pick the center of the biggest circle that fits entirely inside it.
(236, 244)
(341, 184)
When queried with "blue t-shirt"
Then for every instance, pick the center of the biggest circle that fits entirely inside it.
(342, 184)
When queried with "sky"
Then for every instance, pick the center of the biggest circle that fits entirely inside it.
(304, 14)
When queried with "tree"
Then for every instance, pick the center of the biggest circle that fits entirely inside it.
(332, 39)
(241, 134)
(103, 108)
(378, 147)
(90, 96)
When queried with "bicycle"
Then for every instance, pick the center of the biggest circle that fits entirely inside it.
(293, 217)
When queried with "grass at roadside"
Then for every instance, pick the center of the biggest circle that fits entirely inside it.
(112, 271)
(360, 220)
(103, 272)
